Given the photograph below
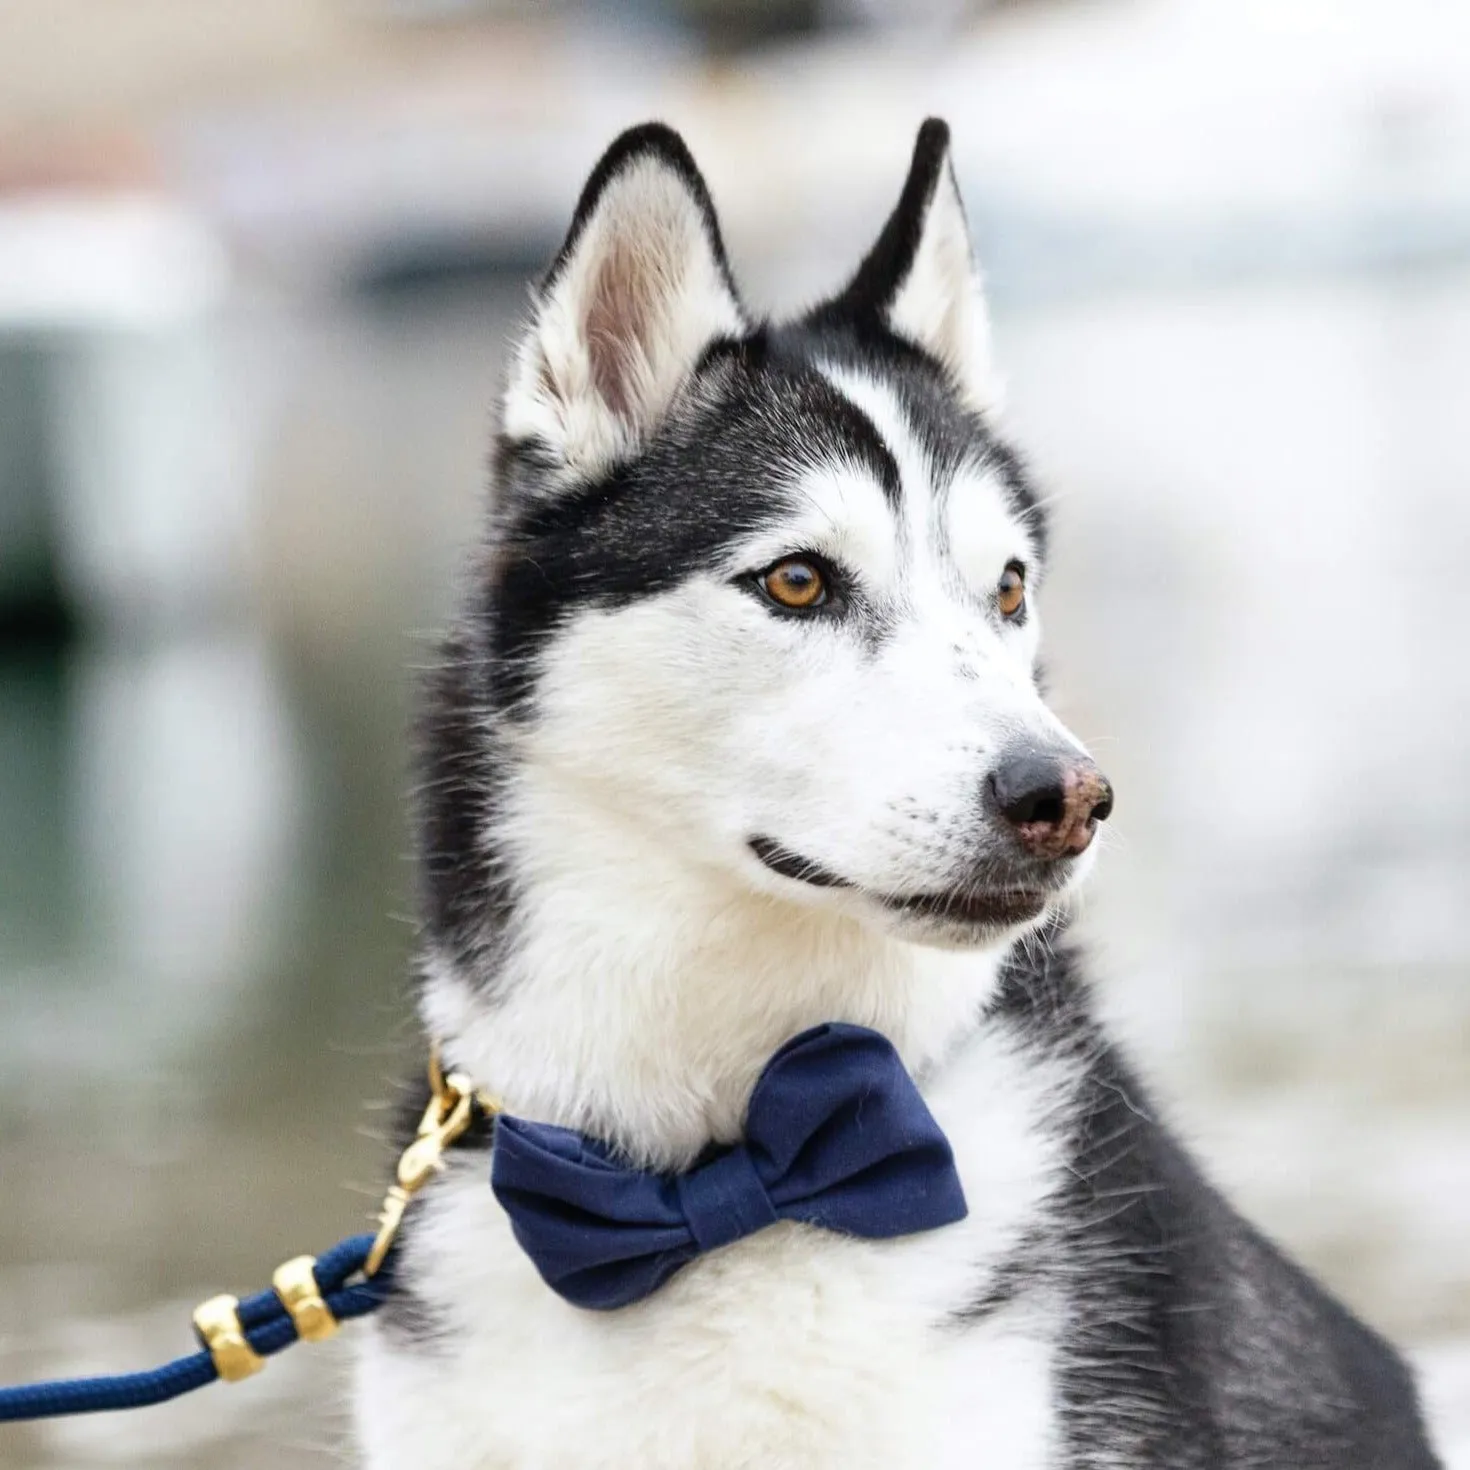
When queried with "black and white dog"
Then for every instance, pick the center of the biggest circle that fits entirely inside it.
(739, 733)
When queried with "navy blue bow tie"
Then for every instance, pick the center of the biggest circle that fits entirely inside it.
(836, 1135)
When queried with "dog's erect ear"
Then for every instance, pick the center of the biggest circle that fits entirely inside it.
(638, 292)
(920, 279)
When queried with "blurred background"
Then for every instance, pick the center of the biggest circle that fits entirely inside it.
(258, 269)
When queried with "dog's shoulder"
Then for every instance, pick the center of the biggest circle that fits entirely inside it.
(1190, 1339)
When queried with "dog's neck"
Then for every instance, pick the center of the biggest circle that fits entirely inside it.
(638, 992)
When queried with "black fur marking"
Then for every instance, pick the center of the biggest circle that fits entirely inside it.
(1008, 1283)
(887, 265)
(462, 900)
(1192, 1342)
(406, 1316)
(951, 435)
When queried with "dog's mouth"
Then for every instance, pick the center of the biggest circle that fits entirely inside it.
(991, 908)
(792, 865)
(971, 905)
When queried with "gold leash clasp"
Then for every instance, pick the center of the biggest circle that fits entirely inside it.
(449, 1113)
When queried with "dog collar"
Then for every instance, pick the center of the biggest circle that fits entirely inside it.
(836, 1136)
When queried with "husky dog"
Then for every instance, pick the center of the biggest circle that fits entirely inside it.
(739, 733)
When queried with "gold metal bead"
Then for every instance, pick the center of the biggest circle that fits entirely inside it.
(295, 1284)
(218, 1324)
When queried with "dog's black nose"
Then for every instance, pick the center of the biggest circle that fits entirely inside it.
(1052, 799)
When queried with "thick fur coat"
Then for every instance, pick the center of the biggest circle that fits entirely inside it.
(671, 816)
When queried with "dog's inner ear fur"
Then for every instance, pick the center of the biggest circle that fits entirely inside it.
(637, 294)
(920, 279)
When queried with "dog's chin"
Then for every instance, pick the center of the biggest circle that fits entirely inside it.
(968, 916)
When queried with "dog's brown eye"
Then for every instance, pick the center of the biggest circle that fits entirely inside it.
(795, 583)
(1010, 591)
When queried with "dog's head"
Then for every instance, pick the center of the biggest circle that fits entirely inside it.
(766, 596)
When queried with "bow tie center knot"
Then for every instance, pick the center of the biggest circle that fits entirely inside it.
(724, 1200)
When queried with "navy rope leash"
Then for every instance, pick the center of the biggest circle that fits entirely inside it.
(267, 1323)
(309, 1298)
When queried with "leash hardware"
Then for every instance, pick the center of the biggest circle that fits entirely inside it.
(218, 1323)
(310, 1296)
(296, 1284)
(449, 1113)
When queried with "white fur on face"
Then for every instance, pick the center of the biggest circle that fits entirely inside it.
(864, 747)
(637, 301)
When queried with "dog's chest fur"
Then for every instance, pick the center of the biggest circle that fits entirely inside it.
(793, 1347)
